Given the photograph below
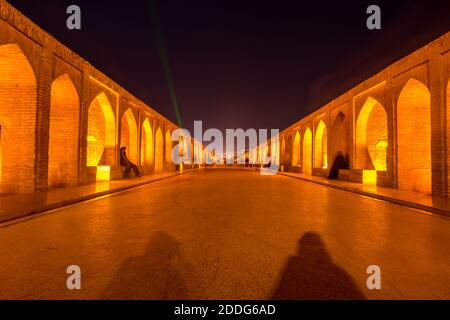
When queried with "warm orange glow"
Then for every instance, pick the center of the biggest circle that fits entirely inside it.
(338, 135)
(128, 135)
(296, 150)
(159, 147)
(147, 143)
(414, 137)
(63, 139)
(371, 129)
(103, 173)
(101, 132)
(370, 177)
(320, 146)
(168, 147)
(18, 96)
(307, 152)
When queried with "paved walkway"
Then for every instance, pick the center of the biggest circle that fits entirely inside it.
(22, 205)
(228, 234)
(410, 199)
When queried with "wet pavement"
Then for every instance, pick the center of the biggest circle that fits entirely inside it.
(228, 234)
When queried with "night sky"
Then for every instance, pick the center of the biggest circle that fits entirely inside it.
(242, 64)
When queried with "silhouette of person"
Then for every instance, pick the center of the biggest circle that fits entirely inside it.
(125, 162)
(153, 275)
(340, 162)
(312, 275)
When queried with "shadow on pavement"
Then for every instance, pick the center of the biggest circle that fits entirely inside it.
(153, 275)
(312, 275)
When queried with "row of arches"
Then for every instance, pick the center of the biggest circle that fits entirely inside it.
(101, 137)
(18, 111)
(413, 139)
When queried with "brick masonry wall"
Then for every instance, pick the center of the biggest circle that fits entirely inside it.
(48, 59)
(430, 65)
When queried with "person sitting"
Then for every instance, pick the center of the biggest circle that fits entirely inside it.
(125, 162)
(340, 162)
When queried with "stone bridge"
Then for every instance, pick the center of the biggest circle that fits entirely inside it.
(62, 121)
(393, 128)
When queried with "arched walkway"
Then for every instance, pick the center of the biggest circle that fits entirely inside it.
(169, 147)
(64, 130)
(321, 146)
(296, 150)
(414, 137)
(128, 135)
(338, 136)
(371, 137)
(283, 152)
(307, 152)
(101, 133)
(159, 151)
(147, 143)
(18, 99)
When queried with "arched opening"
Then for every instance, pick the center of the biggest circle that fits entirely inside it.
(338, 136)
(283, 152)
(371, 137)
(159, 151)
(320, 146)
(296, 150)
(63, 138)
(18, 98)
(169, 147)
(101, 133)
(414, 137)
(307, 152)
(128, 135)
(147, 143)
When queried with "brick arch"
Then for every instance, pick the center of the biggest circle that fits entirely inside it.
(128, 135)
(414, 137)
(338, 135)
(159, 150)
(321, 146)
(63, 134)
(307, 151)
(371, 136)
(296, 149)
(168, 143)
(101, 146)
(18, 100)
(283, 151)
(147, 143)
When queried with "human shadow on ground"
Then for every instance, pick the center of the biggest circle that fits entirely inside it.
(154, 275)
(312, 275)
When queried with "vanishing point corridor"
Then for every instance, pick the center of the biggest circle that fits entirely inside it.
(227, 234)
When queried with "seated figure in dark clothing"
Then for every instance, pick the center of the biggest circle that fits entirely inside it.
(125, 162)
(340, 162)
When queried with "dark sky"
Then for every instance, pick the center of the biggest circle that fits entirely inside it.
(242, 64)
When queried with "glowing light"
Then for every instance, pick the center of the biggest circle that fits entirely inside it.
(370, 177)
(103, 173)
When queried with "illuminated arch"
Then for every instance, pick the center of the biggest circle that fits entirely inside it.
(321, 146)
(371, 137)
(63, 137)
(128, 135)
(18, 100)
(159, 151)
(296, 150)
(338, 136)
(101, 132)
(307, 152)
(283, 151)
(168, 157)
(147, 143)
(414, 137)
